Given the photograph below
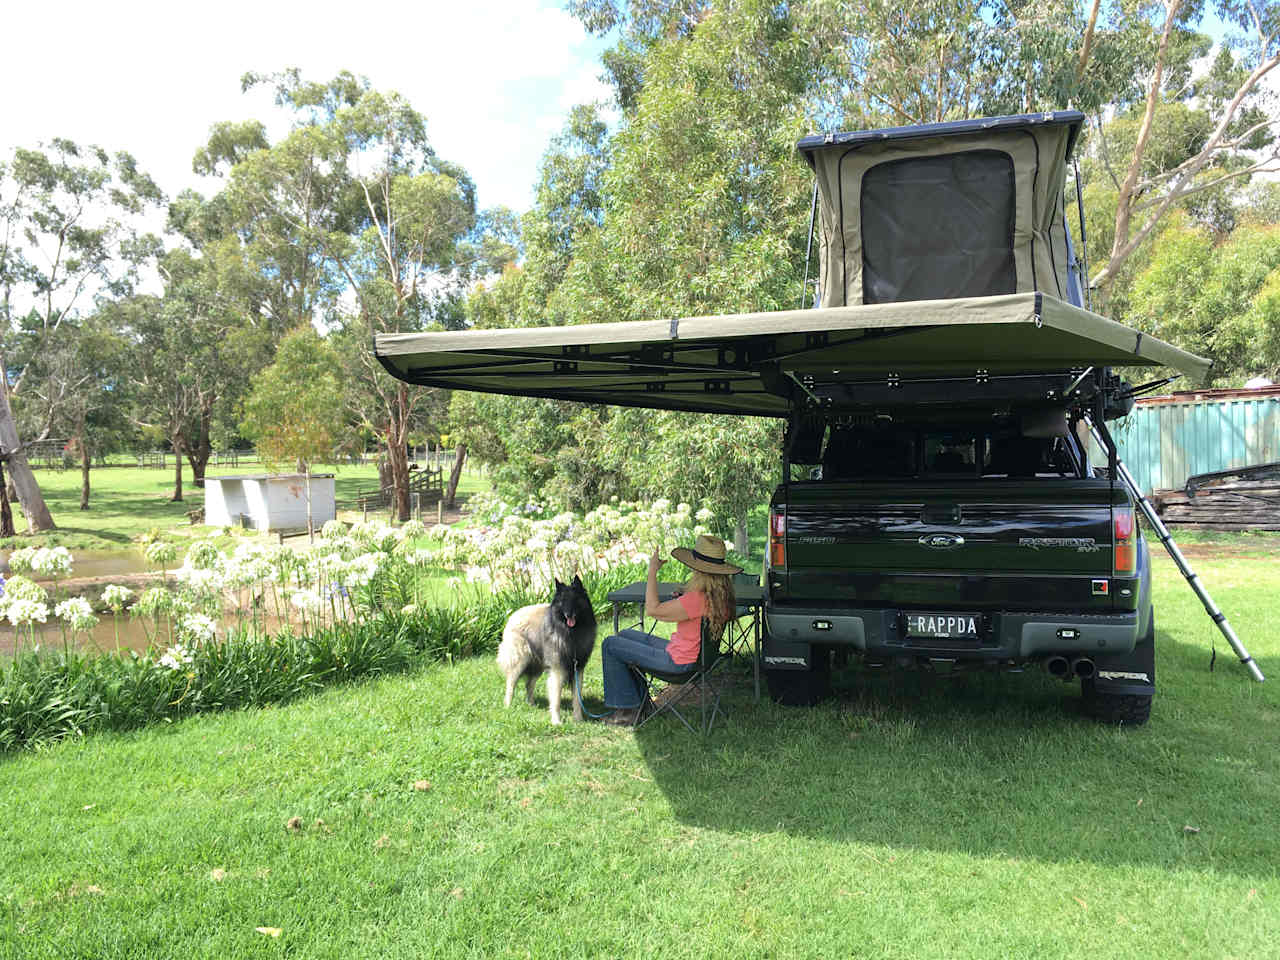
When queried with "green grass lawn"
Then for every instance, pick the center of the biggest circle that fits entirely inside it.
(912, 817)
(126, 502)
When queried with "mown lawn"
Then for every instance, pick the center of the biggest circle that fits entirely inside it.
(913, 817)
(126, 502)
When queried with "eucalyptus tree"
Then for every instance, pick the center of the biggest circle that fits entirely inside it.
(1240, 128)
(69, 233)
(361, 223)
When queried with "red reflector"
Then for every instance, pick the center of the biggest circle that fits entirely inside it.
(777, 555)
(778, 524)
(1126, 558)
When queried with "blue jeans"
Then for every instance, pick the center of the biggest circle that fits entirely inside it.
(624, 689)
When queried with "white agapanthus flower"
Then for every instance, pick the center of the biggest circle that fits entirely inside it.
(160, 553)
(478, 575)
(204, 581)
(23, 611)
(419, 558)
(198, 627)
(362, 569)
(704, 515)
(176, 657)
(20, 560)
(411, 529)
(77, 613)
(153, 601)
(24, 588)
(332, 529)
(116, 596)
(308, 601)
(203, 555)
(53, 561)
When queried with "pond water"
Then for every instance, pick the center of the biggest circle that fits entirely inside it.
(96, 563)
(135, 634)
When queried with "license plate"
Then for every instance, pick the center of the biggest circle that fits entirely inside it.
(946, 626)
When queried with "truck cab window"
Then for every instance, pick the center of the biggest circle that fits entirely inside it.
(951, 454)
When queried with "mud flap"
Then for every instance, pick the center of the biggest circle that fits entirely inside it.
(778, 654)
(1128, 674)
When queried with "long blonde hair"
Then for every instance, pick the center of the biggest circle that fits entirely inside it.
(721, 602)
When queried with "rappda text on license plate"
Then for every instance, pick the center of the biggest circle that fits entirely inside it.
(934, 625)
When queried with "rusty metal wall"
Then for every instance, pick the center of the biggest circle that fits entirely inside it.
(1165, 442)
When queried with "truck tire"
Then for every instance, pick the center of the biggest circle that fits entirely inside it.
(800, 688)
(1121, 709)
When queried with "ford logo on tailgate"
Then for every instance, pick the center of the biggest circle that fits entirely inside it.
(942, 541)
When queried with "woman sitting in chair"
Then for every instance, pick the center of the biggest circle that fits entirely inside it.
(709, 593)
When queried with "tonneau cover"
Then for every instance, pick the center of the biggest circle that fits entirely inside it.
(754, 363)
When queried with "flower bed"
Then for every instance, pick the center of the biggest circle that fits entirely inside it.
(351, 603)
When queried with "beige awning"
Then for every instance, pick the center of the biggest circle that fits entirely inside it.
(753, 363)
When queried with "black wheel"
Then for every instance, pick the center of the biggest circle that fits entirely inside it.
(1124, 709)
(801, 688)
(1117, 709)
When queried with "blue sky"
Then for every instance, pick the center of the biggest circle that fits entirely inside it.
(494, 78)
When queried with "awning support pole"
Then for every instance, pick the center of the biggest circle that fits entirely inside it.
(1166, 538)
(808, 247)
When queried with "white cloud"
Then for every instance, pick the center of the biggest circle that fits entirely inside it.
(493, 78)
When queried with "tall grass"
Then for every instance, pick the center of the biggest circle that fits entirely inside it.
(46, 695)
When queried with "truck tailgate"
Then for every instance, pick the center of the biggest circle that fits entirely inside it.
(1033, 544)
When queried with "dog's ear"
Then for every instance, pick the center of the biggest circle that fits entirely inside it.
(559, 585)
(577, 580)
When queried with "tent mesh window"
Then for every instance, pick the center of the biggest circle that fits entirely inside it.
(938, 227)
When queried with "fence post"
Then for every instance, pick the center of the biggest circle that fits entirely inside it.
(417, 507)
(440, 510)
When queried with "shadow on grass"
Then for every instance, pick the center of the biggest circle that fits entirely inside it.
(995, 766)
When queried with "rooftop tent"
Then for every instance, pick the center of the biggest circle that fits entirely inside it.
(763, 364)
(969, 208)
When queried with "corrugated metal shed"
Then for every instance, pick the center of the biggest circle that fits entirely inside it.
(1169, 438)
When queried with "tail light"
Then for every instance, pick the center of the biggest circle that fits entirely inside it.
(1125, 552)
(778, 537)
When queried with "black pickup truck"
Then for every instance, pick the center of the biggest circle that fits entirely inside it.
(950, 539)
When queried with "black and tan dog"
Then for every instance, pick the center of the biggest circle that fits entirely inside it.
(554, 637)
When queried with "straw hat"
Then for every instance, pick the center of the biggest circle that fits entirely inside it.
(707, 555)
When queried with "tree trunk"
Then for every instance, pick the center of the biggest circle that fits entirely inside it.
(24, 481)
(741, 544)
(177, 469)
(455, 475)
(397, 436)
(199, 455)
(6, 511)
(84, 473)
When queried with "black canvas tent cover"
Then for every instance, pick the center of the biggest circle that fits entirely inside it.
(764, 364)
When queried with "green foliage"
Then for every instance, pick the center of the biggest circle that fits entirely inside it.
(1217, 299)
(294, 411)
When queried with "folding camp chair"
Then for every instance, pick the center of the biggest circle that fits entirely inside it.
(679, 684)
(739, 636)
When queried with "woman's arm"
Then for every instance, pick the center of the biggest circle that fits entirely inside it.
(672, 611)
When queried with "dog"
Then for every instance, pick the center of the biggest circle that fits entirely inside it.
(555, 638)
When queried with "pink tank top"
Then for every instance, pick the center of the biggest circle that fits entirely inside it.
(687, 637)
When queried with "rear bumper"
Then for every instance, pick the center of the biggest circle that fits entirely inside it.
(1006, 636)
